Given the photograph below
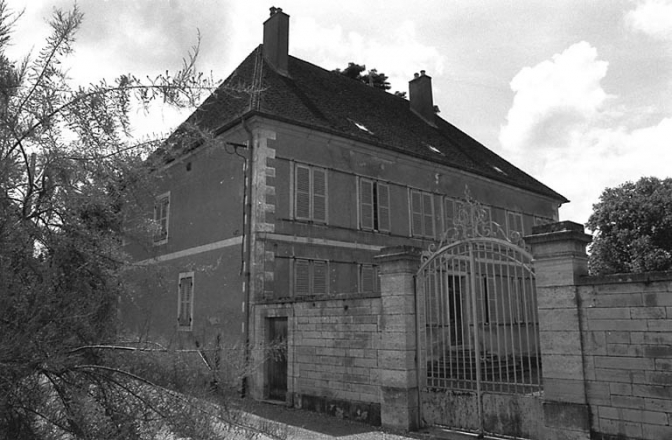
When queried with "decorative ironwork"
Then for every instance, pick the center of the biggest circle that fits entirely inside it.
(477, 323)
(473, 220)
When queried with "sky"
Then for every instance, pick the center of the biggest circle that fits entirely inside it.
(577, 93)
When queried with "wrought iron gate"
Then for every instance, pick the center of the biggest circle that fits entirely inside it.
(478, 330)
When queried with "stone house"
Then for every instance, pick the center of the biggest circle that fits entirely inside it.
(269, 224)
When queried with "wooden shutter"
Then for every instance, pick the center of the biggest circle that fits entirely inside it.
(302, 193)
(164, 216)
(161, 217)
(383, 207)
(319, 195)
(428, 215)
(416, 213)
(514, 222)
(367, 280)
(451, 213)
(186, 289)
(366, 204)
(320, 277)
(301, 277)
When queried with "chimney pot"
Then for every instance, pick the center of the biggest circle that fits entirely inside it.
(276, 40)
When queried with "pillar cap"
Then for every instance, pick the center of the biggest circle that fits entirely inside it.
(396, 253)
(560, 231)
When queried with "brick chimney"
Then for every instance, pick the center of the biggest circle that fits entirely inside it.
(420, 95)
(276, 40)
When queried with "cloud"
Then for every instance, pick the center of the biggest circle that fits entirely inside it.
(567, 131)
(399, 55)
(554, 97)
(653, 18)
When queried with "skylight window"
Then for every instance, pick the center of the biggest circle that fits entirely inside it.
(434, 149)
(361, 126)
(499, 170)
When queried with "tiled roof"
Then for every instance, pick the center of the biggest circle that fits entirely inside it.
(317, 98)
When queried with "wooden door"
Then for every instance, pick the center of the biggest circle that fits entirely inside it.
(277, 359)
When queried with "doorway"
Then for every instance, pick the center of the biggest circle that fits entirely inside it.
(277, 359)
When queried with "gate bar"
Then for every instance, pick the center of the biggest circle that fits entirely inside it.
(477, 349)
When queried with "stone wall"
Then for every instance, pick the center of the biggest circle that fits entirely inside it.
(606, 344)
(335, 367)
(627, 334)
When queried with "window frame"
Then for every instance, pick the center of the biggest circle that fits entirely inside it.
(511, 221)
(376, 208)
(180, 302)
(310, 265)
(424, 215)
(311, 194)
(162, 236)
(374, 278)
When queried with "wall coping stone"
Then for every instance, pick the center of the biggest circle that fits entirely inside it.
(557, 227)
(321, 297)
(620, 278)
(396, 253)
(541, 236)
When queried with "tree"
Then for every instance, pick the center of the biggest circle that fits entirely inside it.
(633, 228)
(373, 78)
(69, 173)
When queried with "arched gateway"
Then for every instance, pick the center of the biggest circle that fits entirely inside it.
(478, 331)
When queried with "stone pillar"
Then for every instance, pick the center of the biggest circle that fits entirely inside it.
(559, 251)
(397, 354)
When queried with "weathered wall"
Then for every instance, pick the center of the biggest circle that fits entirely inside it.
(336, 361)
(605, 342)
(205, 236)
(332, 356)
(152, 309)
(627, 334)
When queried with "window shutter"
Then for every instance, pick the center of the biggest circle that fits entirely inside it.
(367, 279)
(320, 277)
(416, 213)
(187, 300)
(186, 289)
(450, 213)
(161, 217)
(319, 195)
(383, 207)
(164, 217)
(366, 203)
(302, 192)
(428, 215)
(519, 224)
(514, 222)
(301, 277)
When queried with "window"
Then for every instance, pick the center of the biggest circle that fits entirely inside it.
(514, 224)
(310, 193)
(161, 216)
(422, 214)
(451, 212)
(311, 277)
(374, 205)
(368, 278)
(185, 301)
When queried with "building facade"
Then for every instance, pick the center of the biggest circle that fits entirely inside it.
(267, 227)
